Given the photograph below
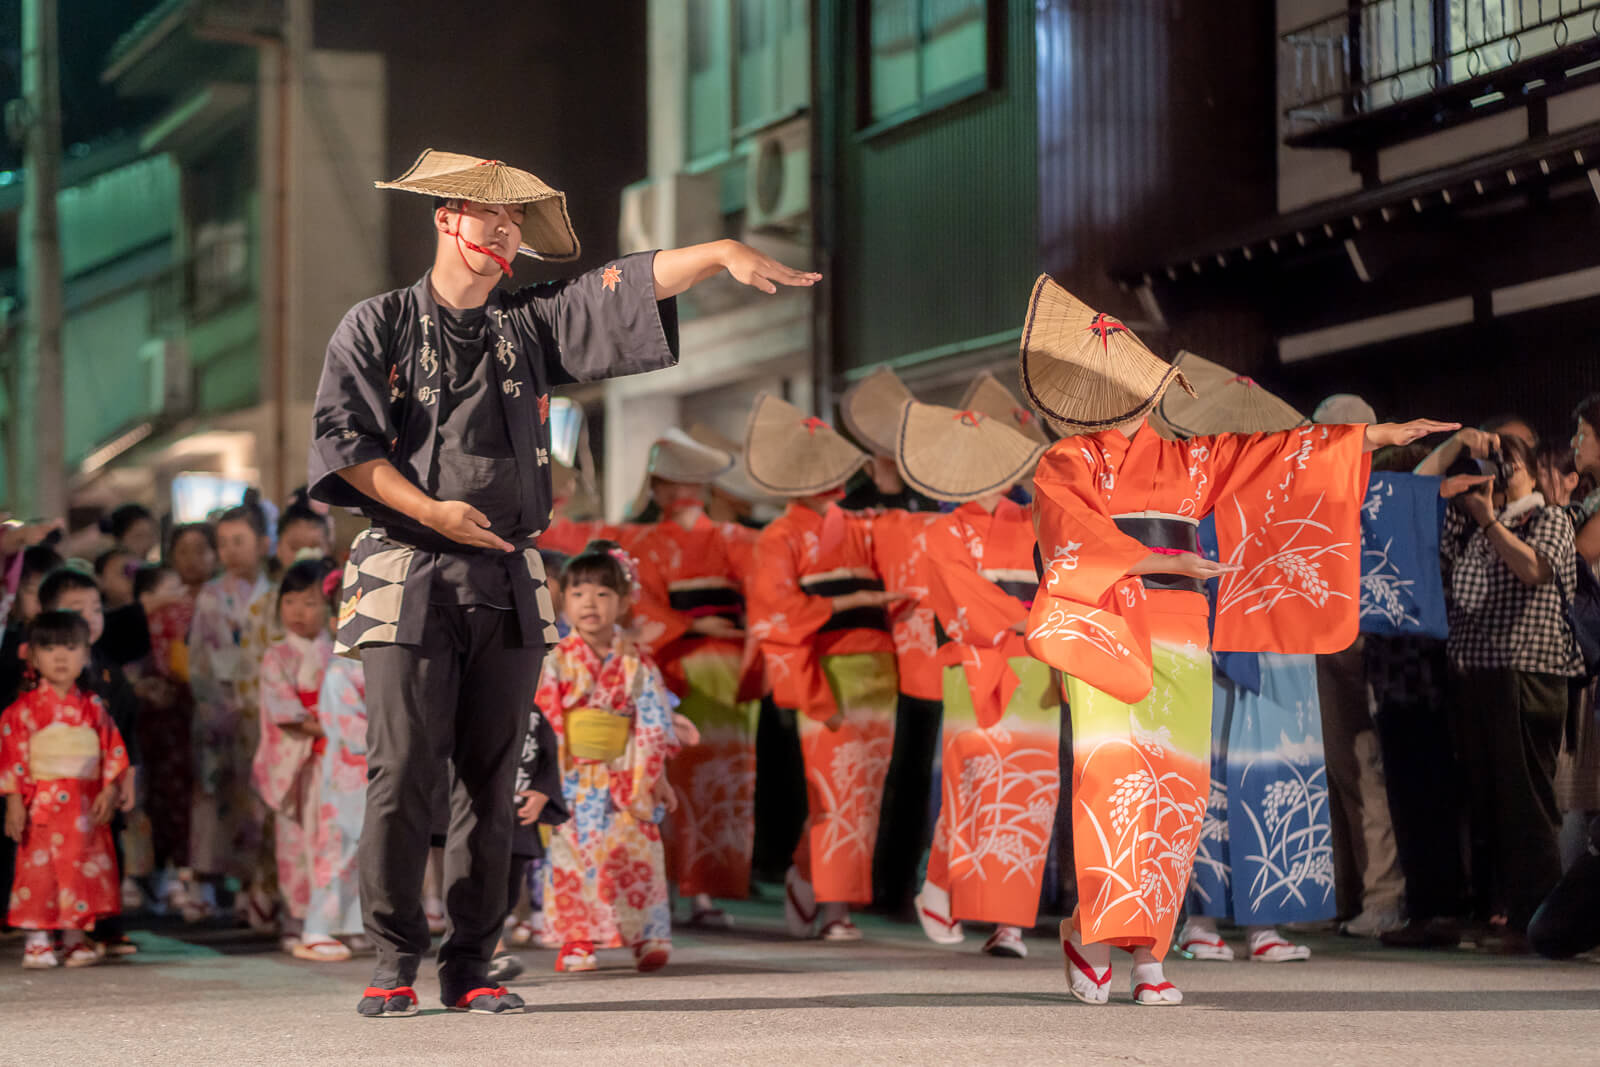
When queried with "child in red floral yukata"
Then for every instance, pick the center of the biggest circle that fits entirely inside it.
(61, 759)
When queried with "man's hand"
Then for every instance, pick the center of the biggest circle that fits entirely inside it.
(1387, 434)
(715, 626)
(533, 803)
(105, 802)
(759, 271)
(679, 269)
(16, 817)
(462, 523)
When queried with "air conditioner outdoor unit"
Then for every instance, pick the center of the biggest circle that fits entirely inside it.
(169, 375)
(778, 179)
(670, 212)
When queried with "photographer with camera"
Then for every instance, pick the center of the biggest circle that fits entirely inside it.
(1509, 570)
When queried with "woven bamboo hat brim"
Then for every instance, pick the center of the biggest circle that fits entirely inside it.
(870, 410)
(1084, 370)
(1228, 403)
(988, 396)
(961, 455)
(677, 457)
(787, 453)
(547, 228)
(735, 481)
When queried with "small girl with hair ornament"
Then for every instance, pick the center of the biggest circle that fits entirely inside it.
(606, 883)
(285, 770)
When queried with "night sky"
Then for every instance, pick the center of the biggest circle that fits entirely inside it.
(90, 111)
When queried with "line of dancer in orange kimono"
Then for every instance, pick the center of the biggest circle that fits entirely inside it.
(1090, 603)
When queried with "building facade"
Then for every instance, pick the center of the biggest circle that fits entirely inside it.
(1430, 245)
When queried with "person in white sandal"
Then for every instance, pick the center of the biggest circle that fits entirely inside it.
(1122, 613)
(1002, 709)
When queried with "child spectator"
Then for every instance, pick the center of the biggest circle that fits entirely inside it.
(335, 907)
(67, 589)
(286, 771)
(61, 761)
(612, 716)
(133, 529)
(224, 834)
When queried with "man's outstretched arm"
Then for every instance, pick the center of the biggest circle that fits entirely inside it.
(679, 269)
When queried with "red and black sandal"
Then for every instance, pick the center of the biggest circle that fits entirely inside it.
(394, 1003)
(496, 1000)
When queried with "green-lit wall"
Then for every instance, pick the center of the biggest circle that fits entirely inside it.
(930, 226)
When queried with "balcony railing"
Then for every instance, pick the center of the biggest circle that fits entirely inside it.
(1380, 54)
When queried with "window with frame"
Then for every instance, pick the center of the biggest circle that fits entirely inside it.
(922, 53)
(749, 66)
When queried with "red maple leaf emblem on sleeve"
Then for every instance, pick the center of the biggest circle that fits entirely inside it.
(544, 407)
(610, 277)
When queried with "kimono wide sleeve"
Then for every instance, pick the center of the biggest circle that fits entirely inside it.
(1088, 618)
(978, 617)
(899, 545)
(650, 747)
(603, 324)
(1402, 591)
(658, 623)
(539, 769)
(113, 750)
(14, 734)
(785, 620)
(280, 697)
(1288, 512)
(351, 421)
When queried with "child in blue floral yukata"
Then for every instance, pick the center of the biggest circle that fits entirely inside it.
(612, 715)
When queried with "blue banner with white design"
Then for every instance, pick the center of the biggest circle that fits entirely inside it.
(1401, 588)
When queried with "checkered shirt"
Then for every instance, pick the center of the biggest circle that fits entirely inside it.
(1496, 620)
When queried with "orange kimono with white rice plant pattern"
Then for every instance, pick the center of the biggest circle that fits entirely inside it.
(1136, 652)
(1000, 773)
(838, 671)
(688, 574)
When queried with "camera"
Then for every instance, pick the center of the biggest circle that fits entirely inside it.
(1494, 465)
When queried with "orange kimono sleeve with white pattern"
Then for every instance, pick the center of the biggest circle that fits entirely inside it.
(1087, 619)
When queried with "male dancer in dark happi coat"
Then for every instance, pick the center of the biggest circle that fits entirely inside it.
(432, 419)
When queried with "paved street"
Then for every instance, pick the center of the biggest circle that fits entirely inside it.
(758, 997)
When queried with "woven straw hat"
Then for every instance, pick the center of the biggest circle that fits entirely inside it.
(961, 455)
(677, 457)
(1228, 403)
(988, 396)
(546, 231)
(1084, 370)
(788, 454)
(735, 481)
(870, 410)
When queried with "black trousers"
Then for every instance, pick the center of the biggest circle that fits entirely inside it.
(1568, 922)
(1421, 779)
(1507, 729)
(455, 705)
(904, 829)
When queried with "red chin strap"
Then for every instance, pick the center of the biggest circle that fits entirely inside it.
(482, 251)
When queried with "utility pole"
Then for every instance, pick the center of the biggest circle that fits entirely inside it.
(38, 401)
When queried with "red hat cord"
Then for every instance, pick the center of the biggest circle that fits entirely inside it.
(500, 261)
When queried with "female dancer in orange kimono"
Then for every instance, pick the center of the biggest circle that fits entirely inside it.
(1122, 610)
(1002, 711)
(690, 612)
(818, 608)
